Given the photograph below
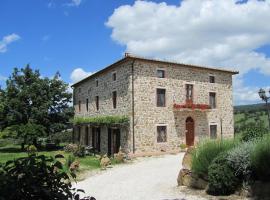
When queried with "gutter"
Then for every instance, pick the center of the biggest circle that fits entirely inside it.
(132, 100)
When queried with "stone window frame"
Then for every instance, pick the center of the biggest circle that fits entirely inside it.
(79, 105)
(166, 92)
(209, 128)
(97, 103)
(97, 82)
(156, 133)
(209, 79)
(212, 91)
(185, 90)
(114, 76)
(165, 72)
(87, 104)
(114, 99)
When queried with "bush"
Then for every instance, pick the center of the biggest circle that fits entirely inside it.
(31, 149)
(222, 180)
(253, 131)
(260, 159)
(70, 148)
(239, 159)
(35, 177)
(70, 159)
(80, 151)
(62, 137)
(206, 152)
(183, 146)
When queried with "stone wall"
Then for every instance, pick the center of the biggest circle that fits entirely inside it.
(148, 115)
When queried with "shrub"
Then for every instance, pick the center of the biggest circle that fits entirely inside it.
(239, 159)
(183, 146)
(260, 159)
(222, 180)
(206, 152)
(80, 151)
(253, 131)
(35, 177)
(62, 137)
(70, 148)
(31, 149)
(70, 159)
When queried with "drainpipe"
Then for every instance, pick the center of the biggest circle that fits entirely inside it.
(132, 97)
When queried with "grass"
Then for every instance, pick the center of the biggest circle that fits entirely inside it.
(11, 152)
(260, 158)
(207, 151)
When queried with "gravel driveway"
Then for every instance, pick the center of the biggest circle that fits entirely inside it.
(152, 178)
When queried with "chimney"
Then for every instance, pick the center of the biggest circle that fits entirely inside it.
(127, 54)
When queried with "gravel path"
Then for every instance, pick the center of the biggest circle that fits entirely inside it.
(152, 178)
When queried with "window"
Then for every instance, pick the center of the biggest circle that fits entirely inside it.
(79, 106)
(189, 92)
(97, 102)
(211, 79)
(161, 134)
(161, 73)
(161, 93)
(114, 76)
(114, 97)
(87, 105)
(212, 100)
(79, 90)
(213, 131)
(96, 82)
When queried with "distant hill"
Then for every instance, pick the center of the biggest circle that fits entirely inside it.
(250, 108)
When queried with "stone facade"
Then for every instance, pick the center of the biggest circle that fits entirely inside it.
(147, 116)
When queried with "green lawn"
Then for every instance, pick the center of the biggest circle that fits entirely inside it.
(11, 152)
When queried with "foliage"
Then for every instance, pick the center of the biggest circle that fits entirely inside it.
(260, 158)
(102, 120)
(71, 148)
(222, 180)
(62, 137)
(35, 177)
(80, 151)
(183, 146)
(239, 159)
(31, 150)
(31, 99)
(70, 159)
(253, 131)
(206, 152)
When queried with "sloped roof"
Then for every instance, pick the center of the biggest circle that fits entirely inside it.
(132, 57)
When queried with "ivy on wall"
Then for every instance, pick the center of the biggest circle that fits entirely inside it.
(106, 120)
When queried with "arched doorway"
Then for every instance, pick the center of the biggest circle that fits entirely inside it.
(190, 131)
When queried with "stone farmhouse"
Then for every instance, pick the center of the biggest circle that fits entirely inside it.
(148, 106)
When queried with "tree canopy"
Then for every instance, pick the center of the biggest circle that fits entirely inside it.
(36, 103)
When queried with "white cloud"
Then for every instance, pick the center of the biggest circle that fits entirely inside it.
(210, 32)
(79, 74)
(7, 40)
(74, 3)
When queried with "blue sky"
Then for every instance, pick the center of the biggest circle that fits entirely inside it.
(78, 37)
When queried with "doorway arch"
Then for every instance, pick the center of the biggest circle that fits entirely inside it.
(190, 135)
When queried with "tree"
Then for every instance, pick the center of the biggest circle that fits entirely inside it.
(33, 106)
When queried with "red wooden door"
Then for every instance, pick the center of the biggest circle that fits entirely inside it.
(189, 131)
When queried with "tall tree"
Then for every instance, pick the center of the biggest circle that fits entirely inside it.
(34, 102)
